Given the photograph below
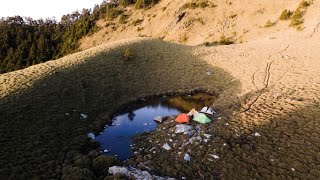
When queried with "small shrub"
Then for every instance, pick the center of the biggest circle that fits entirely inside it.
(102, 163)
(113, 13)
(127, 54)
(304, 4)
(269, 24)
(183, 38)
(137, 22)
(296, 18)
(225, 41)
(126, 2)
(123, 19)
(285, 15)
(197, 4)
(144, 3)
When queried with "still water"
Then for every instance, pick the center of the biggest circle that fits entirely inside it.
(116, 139)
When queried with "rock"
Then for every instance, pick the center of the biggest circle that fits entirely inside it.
(106, 150)
(208, 136)
(187, 157)
(214, 156)
(257, 134)
(166, 147)
(91, 135)
(189, 133)
(181, 128)
(158, 119)
(118, 170)
(83, 116)
(195, 139)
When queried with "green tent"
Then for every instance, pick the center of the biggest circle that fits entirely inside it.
(201, 118)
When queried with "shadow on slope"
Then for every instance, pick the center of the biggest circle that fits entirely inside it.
(41, 129)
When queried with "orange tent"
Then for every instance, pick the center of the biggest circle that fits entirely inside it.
(182, 118)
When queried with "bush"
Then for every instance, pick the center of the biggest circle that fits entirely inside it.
(102, 163)
(127, 54)
(269, 24)
(195, 4)
(296, 18)
(137, 22)
(144, 3)
(123, 19)
(113, 13)
(304, 4)
(285, 15)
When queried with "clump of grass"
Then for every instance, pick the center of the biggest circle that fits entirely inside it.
(296, 18)
(226, 40)
(285, 15)
(128, 54)
(183, 38)
(197, 4)
(123, 19)
(269, 23)
(137, 22)
(304, 4)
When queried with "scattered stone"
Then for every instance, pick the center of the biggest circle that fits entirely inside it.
(118, 170)
(106, 150)
(83, 116)
(91, 135)
(195, 139)
(187, 157)
(181, 128)
(166, 147)
(257, 134)
(208, 136)
(158, 119)
(293, 169)
(189, 133)
(214, 156)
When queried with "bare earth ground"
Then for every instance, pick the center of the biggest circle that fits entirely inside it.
(269, 85)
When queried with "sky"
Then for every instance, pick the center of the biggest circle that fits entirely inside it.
(44, 8)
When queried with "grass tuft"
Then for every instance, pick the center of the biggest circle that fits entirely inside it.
(269, 23)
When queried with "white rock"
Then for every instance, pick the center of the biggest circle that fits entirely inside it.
(181, 128)
(214, 156)
(257, 134)
(84, 116)
(118, 170)
(208, 136)
(106, 150)
(166, 146)
(158, 118)
(187, 157)
(91, 135)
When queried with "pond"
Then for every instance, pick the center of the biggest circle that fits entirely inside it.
(116, 139)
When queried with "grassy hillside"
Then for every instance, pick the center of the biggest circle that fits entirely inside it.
(42, 133)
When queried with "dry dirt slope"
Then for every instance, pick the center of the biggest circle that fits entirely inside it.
(243, 20)
(273, 90)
